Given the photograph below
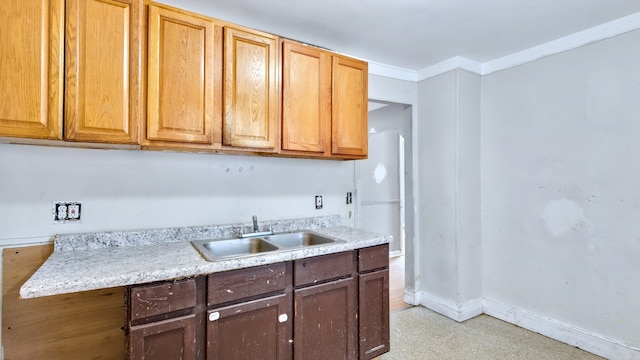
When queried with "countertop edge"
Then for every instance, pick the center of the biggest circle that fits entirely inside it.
(75, 271)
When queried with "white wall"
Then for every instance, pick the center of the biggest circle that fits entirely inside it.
(123, 189)
(449, 196)
(560, 187)
(436, 179)
(396, 118)
(405, 92)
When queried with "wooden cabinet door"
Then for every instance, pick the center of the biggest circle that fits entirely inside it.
(349, 108)
(184, 79)
(168, 339)
(326, 321)
(374, 314)
(103, 70)
(31, 68)
(306, 99)
(258, 329)
(250, 90)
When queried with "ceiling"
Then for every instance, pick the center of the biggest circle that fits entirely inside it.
(415, 34)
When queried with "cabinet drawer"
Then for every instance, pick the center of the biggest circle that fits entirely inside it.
(325, 267)
(151, 300)
(239, 284)
(375, 257)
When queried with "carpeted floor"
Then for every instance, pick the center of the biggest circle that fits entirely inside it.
(421, 334)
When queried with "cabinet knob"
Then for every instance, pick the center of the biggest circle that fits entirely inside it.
(214, 316)
(283, 318)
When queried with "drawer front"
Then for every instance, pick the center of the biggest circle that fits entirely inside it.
(162, 298)
(239, 284)
(322, 268)
(375, 257)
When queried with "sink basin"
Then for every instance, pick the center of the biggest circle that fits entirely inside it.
(222, 249)
(215, 250)
(300, 239)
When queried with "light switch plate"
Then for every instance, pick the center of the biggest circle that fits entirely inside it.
(319, 202)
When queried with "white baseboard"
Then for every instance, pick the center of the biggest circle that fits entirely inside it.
(557, 330)
(450, 309)
(410, 297)
(563, 332)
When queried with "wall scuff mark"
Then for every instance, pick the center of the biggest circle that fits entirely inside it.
(561, 216)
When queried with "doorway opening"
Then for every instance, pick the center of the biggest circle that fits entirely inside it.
(384, 188)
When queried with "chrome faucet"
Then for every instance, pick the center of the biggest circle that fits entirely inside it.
(256, 230)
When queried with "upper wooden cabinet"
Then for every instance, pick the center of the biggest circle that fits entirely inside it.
(184, 85)
(250, 90)
(31, 83)
(103, 70)
(349, 131)
(324, 103)
(306, 99)
(139, 72)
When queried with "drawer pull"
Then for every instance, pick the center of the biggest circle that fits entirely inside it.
(214, 316)
(283, 318)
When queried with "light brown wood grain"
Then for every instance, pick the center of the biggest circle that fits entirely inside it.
(103, 70)
(306, 99)
(250, 90)
(349, 107)
(184, 84)
(31, 82)
(86, 325)
(396, 284)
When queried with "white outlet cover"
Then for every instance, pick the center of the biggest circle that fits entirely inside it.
(70, 211)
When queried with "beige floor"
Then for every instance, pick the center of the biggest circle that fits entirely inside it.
(421, 334)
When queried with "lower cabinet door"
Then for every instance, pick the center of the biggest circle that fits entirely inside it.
(258, 329)
(326, 321)
(168, 339)
(374, 314)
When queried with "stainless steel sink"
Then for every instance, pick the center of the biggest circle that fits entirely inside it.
(214, 250)
(300, 239)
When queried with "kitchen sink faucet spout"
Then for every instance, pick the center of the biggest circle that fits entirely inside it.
(256, 230)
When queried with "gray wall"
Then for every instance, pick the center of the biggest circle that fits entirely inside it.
(449, 194)
(560, 176)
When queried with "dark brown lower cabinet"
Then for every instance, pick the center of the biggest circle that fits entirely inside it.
(166, 339)
(163, 321)
(374, 314)
(373, 301)
(333, 306)
(258, 329)
(326, 321)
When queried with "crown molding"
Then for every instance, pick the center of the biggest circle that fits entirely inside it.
(456, 62)
(573, 41)
(392, 72)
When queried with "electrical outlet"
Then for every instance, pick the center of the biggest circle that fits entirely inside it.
(318, 201)
(67, 212)
(349, 198)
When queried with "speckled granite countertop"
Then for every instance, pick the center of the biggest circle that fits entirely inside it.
(82, 262)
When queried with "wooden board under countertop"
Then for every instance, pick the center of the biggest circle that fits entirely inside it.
(85, 325)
